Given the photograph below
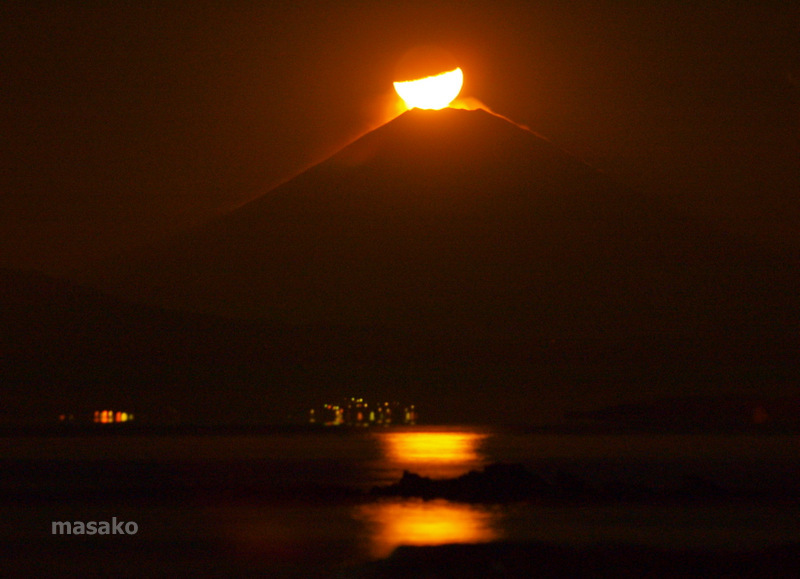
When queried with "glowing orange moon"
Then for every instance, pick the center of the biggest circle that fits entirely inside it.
(431, 92)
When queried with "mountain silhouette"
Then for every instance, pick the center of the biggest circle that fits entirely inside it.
(480, 247)
(452, 218)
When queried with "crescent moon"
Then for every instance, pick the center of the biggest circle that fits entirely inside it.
(432, 92)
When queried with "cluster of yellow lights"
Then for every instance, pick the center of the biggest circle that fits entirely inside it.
(432, 92)
(356, 412)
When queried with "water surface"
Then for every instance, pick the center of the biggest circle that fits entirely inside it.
(295, 501)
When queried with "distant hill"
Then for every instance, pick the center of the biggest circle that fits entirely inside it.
(67, 349)
(484, 263)
(730, 412)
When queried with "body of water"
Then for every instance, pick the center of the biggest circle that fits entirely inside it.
(298, 502)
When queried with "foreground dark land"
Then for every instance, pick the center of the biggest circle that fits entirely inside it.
(497, 559)
(535, 559)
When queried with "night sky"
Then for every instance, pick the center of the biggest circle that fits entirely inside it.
(123, 123)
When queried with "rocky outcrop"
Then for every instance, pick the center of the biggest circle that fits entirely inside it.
(509, 482)
(499, 482)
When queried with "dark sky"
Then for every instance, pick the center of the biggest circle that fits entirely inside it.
(122, 122)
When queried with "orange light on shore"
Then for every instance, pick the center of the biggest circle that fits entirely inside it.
(432, 92)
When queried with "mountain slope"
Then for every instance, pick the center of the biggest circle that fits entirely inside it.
(69, 350)
(449, 217)
(493, 254)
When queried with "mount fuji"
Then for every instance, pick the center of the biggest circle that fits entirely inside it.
(474, 253)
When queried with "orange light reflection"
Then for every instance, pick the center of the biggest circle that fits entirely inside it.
(433, 446)
(391, 524)
(436, 454)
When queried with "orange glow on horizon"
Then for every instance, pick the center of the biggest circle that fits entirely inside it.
(432, 92)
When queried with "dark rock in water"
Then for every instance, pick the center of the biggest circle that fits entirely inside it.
(415, 485)
(508, 482)
(571, 485)
(499, 482)
(625, 491)
(695, 486)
